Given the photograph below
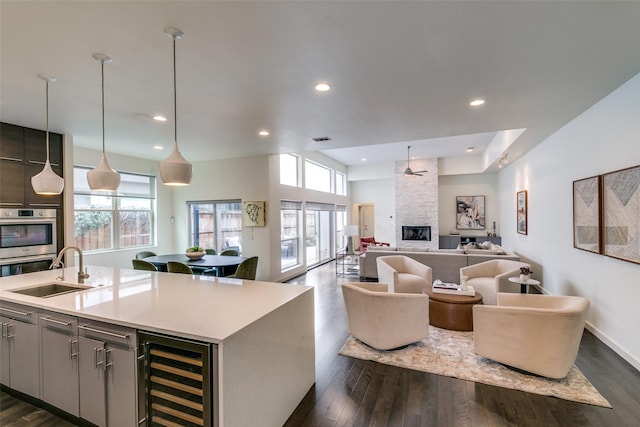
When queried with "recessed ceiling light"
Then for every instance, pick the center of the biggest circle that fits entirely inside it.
(263, 133)
(158, 147)
(159, 118)
(470, 149)
(322, 87)
(363, 160)
(476, 102)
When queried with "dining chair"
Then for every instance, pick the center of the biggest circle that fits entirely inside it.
(229, 252)
(178, 267)
(144, 254)
(210, 251)
(140, 264)
(246, 269)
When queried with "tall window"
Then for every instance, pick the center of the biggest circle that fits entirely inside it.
(289, 169)
(216, 225)
(341, 184)
(290, 233)
(341, 221)
(317, 177)
(109, 222)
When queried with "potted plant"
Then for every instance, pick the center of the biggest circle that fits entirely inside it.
(525, 273)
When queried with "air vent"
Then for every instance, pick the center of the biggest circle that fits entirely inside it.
(321, 139)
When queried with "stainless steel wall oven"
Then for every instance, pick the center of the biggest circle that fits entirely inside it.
(28, 240)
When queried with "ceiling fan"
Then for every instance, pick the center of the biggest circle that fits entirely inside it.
(408, 171)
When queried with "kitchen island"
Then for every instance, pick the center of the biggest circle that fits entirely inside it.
(262, 333)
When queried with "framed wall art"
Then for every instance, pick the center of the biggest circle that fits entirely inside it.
(253, 214)
(521, 211)
(620, 218)
(586, 214)
(470, 213)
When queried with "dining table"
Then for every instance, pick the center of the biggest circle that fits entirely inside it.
(223, 265)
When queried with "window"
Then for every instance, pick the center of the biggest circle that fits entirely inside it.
(289, 169)
(341, 221)
(216, 225)
(290, 232)
(114, 221)
(317, 177)
(341, 184)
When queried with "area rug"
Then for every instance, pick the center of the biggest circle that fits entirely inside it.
(450, 353)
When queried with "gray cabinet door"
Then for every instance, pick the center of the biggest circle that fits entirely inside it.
(23, 357)
(121, 386)
(92, 384)
(60, 370)
(5, 369)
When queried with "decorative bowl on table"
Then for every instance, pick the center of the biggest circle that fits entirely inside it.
(195, 252)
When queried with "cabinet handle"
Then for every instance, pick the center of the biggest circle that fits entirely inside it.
(4, 330)
(96, 350)
(38, 162)
(72, 354)
(111, 334)
(13, 159)
(107, 364)
(10, 204)
(9, 333)
(45, 204)
(20, 313)
(57, 322)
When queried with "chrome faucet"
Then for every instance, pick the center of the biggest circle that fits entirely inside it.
(58, 261)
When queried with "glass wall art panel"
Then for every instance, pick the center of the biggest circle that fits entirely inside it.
(521, 212)
(621, 214)
(586, 214)
(470, 213)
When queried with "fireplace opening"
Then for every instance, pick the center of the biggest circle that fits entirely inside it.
(416, 232)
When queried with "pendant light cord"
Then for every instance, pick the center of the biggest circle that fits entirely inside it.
(175, 96)
(102, 70)
(47, 118)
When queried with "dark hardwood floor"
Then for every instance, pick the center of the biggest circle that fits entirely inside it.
(351, 392)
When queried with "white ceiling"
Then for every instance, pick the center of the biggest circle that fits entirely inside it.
(402, 73)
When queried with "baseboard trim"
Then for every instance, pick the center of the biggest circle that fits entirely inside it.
(613, 345)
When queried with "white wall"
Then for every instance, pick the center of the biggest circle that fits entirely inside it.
(604, 138)
(165, 230)
(381, 194)
(450, 186)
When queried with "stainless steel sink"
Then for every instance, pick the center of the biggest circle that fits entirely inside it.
(50, 289)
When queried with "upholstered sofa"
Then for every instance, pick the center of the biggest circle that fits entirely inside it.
(445, 263)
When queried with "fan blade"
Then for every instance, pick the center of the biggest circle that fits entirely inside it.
(420, 172)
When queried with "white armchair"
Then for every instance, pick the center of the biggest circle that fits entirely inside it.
(403, 274)
(491, 277)
(536, 333)
(384, 320)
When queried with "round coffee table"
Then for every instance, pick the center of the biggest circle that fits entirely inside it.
(453, 312)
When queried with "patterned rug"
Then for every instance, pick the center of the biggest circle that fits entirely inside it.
(450, 353)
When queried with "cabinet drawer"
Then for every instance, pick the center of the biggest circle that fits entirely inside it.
(19, 312)
(108, 333)
(60, 322)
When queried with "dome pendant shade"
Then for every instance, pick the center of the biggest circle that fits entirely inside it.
(103, 177)
(47, 182)
(175, 169)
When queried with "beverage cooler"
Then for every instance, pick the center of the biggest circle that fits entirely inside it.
(177, 381)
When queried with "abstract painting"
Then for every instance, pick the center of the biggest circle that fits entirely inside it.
(621, 214)
(521, 211)
(253, 214)
(586, 214)
(470, 213)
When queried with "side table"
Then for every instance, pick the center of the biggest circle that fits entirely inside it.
(524, 283)
(347, 263)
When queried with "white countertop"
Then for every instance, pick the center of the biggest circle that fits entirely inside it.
(205, 308)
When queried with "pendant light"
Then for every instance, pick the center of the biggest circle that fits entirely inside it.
(47, 182)
(103, 177)
(175, 169)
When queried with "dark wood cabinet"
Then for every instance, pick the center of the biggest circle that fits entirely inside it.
(23, 152)
(11, 143)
